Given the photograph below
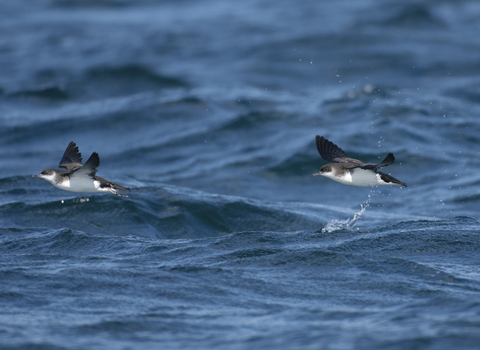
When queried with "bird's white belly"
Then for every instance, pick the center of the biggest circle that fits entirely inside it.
(79, 184)
(360, 177)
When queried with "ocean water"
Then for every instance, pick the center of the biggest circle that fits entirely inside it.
(208, 111)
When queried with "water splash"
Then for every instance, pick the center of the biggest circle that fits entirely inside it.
(349, 224)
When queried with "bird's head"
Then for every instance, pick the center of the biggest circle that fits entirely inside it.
(325, 170)
(47, 174)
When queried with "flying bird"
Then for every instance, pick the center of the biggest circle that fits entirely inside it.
(78, 177)
(351, 171)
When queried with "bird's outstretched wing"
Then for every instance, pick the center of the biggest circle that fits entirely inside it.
(389, 159)
(90, 167)
(328, 150)
(331, 152)
(72, 158)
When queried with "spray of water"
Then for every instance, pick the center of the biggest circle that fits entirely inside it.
(349, 224)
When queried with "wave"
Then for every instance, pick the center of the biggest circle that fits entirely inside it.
(159, 211)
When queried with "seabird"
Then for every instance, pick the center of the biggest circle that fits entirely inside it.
(78, 177)
(350, 171)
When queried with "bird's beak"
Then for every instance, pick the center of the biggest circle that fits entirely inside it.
(316, 174)
(35, 175)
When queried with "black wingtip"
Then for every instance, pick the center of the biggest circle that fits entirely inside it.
(93, 162)
(71, 155)
(328, 150)
(322, 144)
(391, 180)
(389, 159)
(72, 146)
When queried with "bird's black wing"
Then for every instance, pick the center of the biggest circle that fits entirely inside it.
(389, 159)
(110, 184)
(89, 168)
(72, 158)
(391, 179)
(331, 152)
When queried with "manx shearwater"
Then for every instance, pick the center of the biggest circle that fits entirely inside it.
(78, 177)
(350, 171)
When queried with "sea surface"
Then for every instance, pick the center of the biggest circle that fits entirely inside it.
(208, 111)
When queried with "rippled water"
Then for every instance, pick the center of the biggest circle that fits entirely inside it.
(208, 111)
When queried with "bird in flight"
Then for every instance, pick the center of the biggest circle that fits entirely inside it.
(78, 177)
(351, 171)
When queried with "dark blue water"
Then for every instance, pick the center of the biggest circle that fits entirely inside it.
(208, 111)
